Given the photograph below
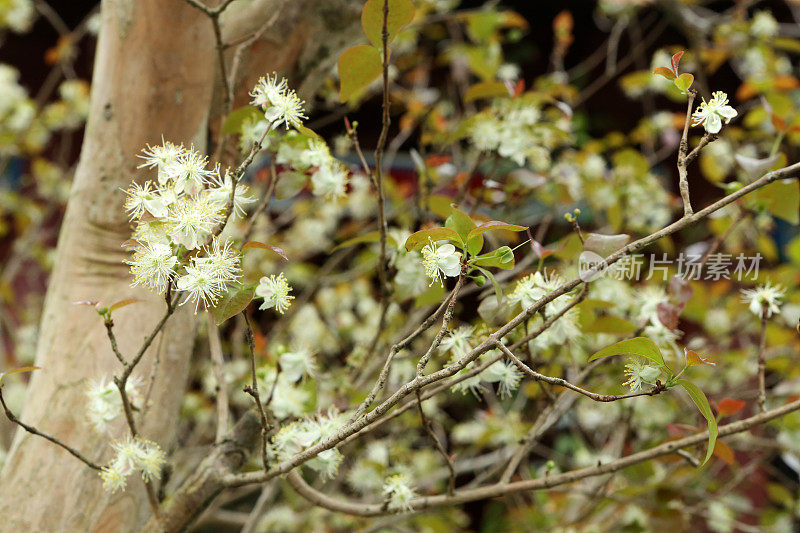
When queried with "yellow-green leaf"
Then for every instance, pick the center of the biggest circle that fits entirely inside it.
(701, 402)
(421, 238)
(122, 303)
(400, 15)
(782, 199)
(485, 89)
(358, 67)
(372, 236)
(641, 346)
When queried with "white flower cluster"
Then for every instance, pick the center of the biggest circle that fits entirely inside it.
(398, 491)
(329, 177)
(295, 437)
(177, 214)
(281, 105)
(505, 374)
(514, 129)
(532, 288)
(132, 454)
(275, 292)
(105, 403)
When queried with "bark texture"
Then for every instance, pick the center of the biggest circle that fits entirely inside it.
(155, 74)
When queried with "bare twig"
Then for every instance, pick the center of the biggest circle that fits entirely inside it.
(252, 390)
(762, 360)
(428, 426)
(32, 430)
(217, 363)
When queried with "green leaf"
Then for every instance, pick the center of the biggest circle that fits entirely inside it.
(485, 89)
(358, 67)
(495, 225)
(641, 346)
(18, 371)
(372, 236)
(475, 244)
(684, 81)
(421, 238)
(460, 222)
(701, 402)
(233, 302)
(275, 249)
(122, 303)
(237, 117)
(401, 13)
(664, 71)
(781, 199)
(503, 258)
(498, 291)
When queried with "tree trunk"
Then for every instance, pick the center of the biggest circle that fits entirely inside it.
(155, 75)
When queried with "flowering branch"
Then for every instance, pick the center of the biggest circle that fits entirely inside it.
(659, 387)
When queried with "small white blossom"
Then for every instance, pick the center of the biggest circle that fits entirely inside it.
(153, 265)
(221, 194)
(275, 292)
(711, 114)
(221, 261)
(398, 490)
(440, 261)
(143, 199)
(505, 374)
(201, 283)
(105, 403)
(296, 363)
(330, 180)
(638, 372)
(193, 220)
(162, 157)
(765, 298)
(189, 172)
(132, 454)
(457, 341)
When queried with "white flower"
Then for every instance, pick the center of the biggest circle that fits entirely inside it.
(153, 265)
(764, 25)
(296, 363)
(711, 114)
(105, 402)
(189, 172)
(143, 199)
(132, 454)
(330, 180)
(162, 157)
(505, 374)
(457, 341)
(765, 298)
(639, 372)
(440, 261)
(398, 490)
(221, 194)
(275, 292)
(221, 261)
(533, 287)
(201, 283)
(193, 220)
(316, 155)
(268, 90)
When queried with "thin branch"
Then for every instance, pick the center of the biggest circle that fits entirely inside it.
(217, 363)
(496, 490)
(448, 314)
(262, 206)
(33, 431)
(252, 390)
(525, 369)
(683, 179)
(428, 426)
(762, 360)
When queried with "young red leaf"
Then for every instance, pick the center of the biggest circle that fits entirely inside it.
(676, 59)
(724, 452)
(668, 315)
(664, 71)
(729, 406)
(692, 359)
(276, 249)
